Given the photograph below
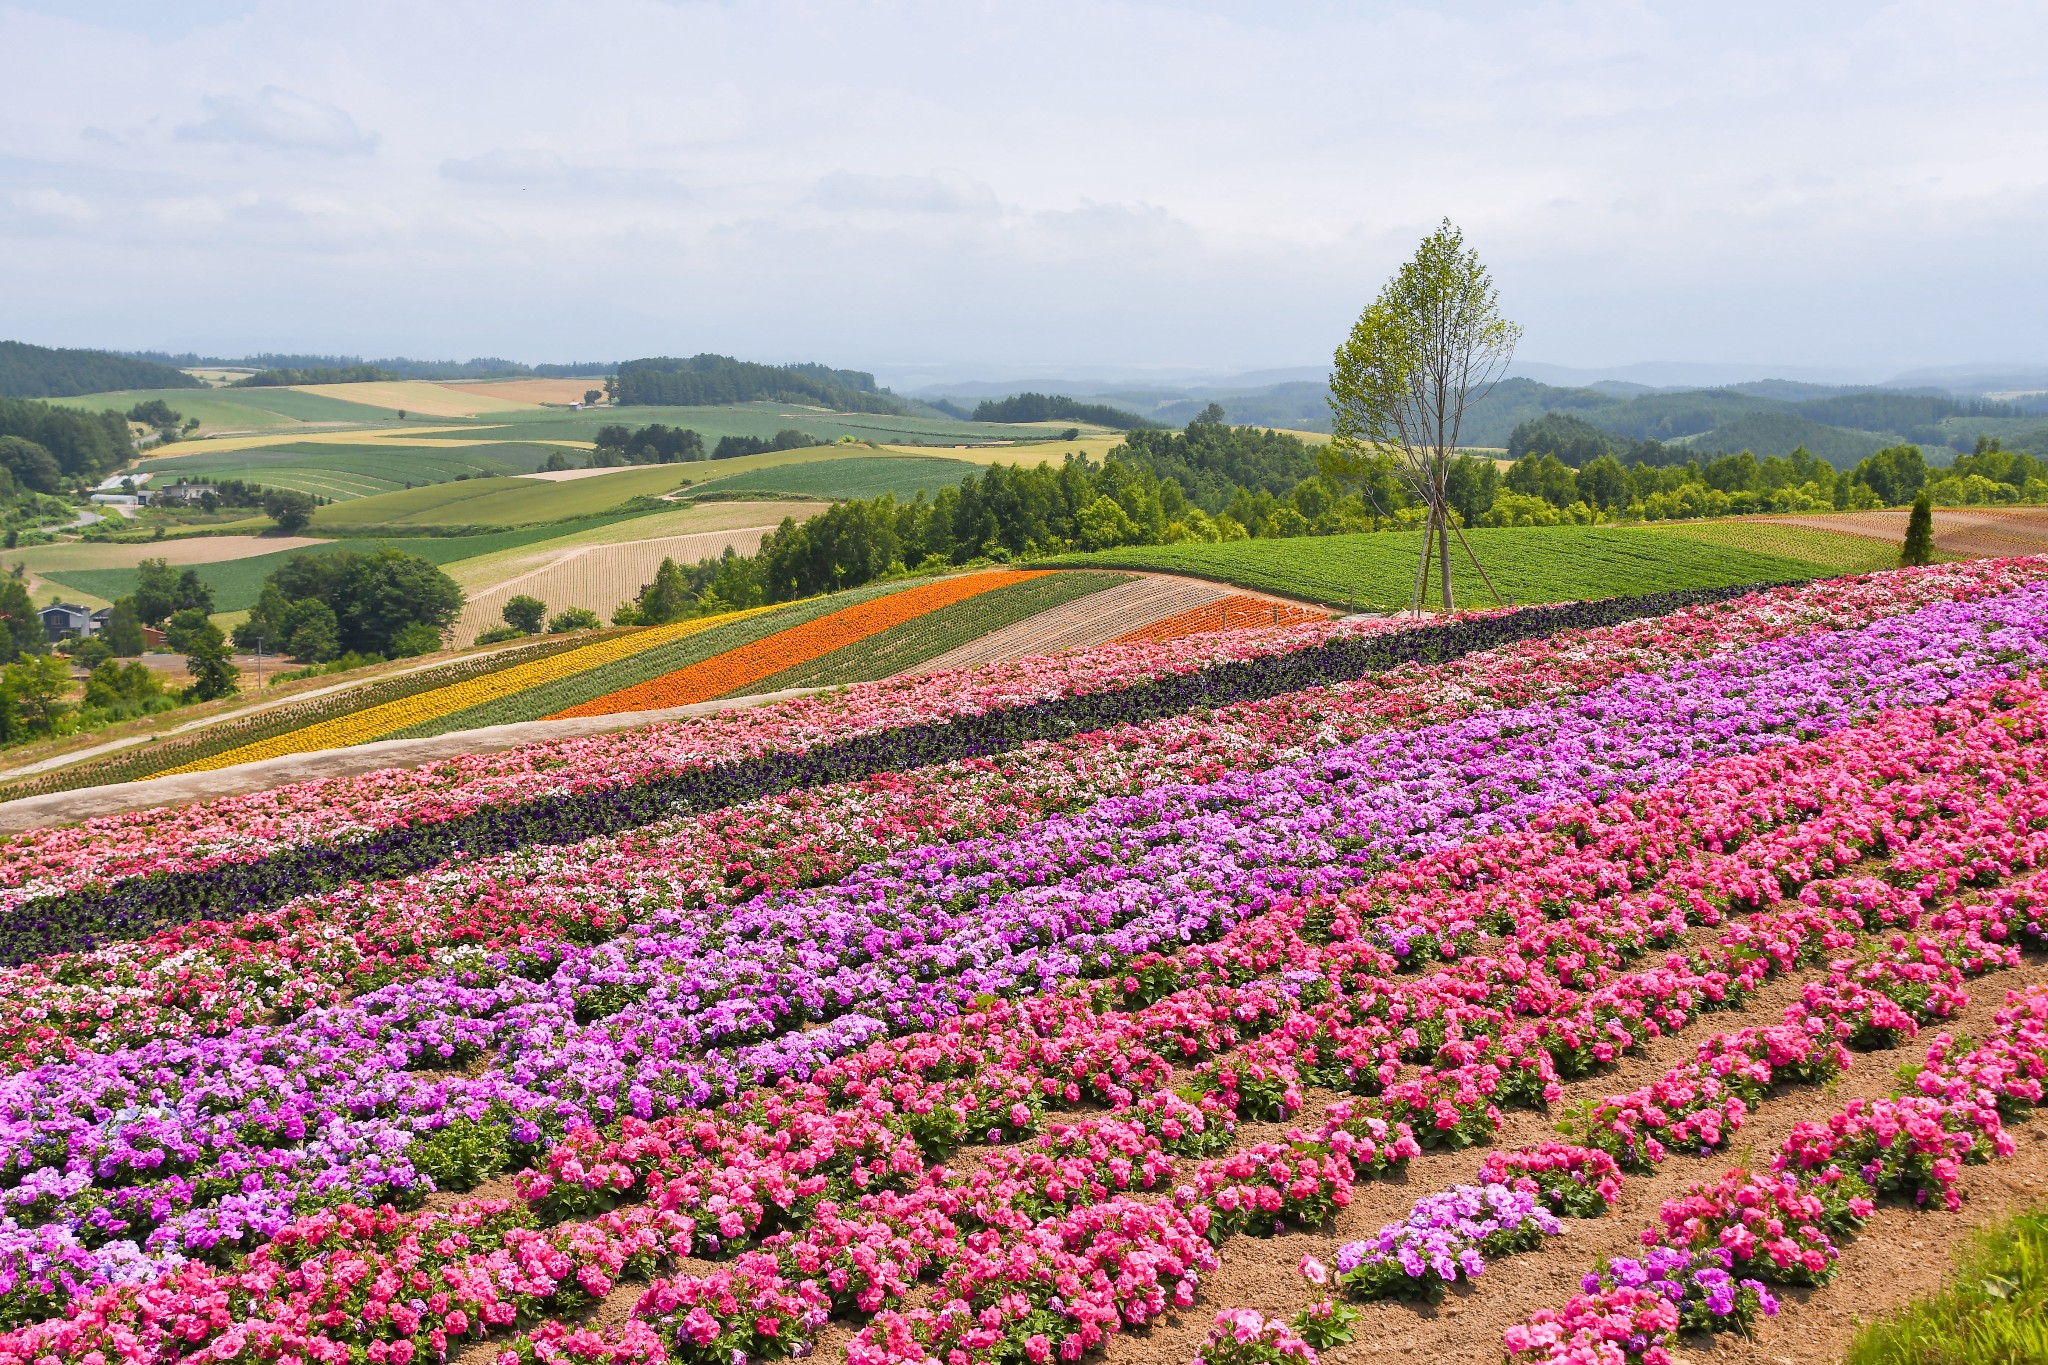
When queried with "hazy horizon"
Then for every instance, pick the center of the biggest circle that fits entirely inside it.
(1206, 188)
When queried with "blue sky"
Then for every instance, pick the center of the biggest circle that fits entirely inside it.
(1859, 188)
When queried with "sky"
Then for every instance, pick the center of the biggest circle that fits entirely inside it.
(961, 188)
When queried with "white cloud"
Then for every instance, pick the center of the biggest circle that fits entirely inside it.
(1133, 181)
(48, 203)
(278, 119)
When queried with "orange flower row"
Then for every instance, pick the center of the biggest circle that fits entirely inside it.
(1236, 612)
(724, 674)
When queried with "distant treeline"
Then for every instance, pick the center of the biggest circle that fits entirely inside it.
(315, 374)
(83, 445)
(483, 367)
(1052, 407)
(711, 380)
(659, 444)
(44, 372)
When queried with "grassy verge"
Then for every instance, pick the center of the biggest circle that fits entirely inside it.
(930, 635)
(1995, 1309)
(1532, 565)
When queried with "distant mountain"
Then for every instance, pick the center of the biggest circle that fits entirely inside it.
(43, 372)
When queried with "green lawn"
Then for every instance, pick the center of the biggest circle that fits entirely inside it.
(236, 583)
(347, 472)
(1537, 564)
(859, 477)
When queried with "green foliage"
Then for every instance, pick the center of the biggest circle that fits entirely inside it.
(123, 630)
(789, 438)
(709, 380)
(83, 444)
(32, 697)
(126, 689)
(498, 635)
(1919, 544)
(161, 590)
(665, 599)
(374, 600)
(1569, 437)
(21, 630)
(155, 412)
(290, 509)
(573, 618)
(1896, 474)
(1042, 407)
(524, 613)
(1211, 461)
(29, 465)
(1995, 1309)
(315, 374)
(44, 372)
(654, 443)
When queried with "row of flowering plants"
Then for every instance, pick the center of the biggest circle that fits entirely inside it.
(268, 846)
(307, 952)
(1242, 1040)
(606, 1036)
(1100, 1327)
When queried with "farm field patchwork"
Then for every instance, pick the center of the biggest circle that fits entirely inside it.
(239, 409)
(1541, 564)
(505, 501)
(860, 477)
(1069, 1033)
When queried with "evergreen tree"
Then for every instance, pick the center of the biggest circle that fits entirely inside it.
(1919, 546)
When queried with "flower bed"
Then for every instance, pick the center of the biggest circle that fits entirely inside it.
(118, 874)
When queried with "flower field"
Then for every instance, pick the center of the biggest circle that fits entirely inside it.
(1569, 984)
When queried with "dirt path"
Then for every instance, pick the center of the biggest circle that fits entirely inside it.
(1900, 1255)
(1968, 531)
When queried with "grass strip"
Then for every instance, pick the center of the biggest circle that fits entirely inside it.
(926, 637)
(745, 668)
(1995, 1309)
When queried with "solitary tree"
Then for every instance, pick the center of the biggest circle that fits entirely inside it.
(289, 508)
(525, 613)
(1431, 345)
(1919, 546)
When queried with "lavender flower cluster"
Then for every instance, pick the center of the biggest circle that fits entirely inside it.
(1445, 1238)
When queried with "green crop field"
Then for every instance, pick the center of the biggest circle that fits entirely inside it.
(859, 477)
(236, 583)
(1837, 551)
(501, 501)
(932, 634)
(765, 419)
(237, 409)
(343, 472)
(1536, 564)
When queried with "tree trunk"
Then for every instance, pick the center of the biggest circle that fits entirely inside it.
(1443, 530)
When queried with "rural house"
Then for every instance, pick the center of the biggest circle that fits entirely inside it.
(62, 619)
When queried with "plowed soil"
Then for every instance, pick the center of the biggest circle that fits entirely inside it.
(1970, 532)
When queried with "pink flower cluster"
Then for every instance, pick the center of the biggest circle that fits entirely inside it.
(1242, 1336)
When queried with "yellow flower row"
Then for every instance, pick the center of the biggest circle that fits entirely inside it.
(358, 727)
